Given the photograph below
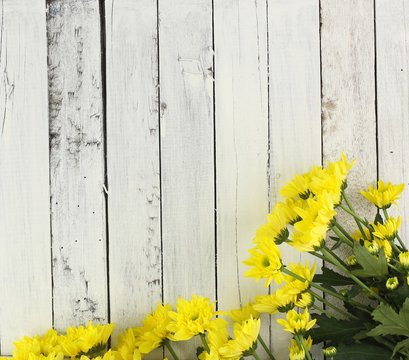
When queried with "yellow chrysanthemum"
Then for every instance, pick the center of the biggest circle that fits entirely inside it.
(298, 186)
(151, 334)
(216, 339)
(126, 347)
(298, 353)
(244, 313)
(280, 300)
(385, 245)
(80, 340)
(357, 235)
(310, 232)
(109, 355)
(340, 169)
(245, 338)
(26, 346)
(404, 259)
(392, 283)
(385, 195)
(297, 323)
(388, 230)
(192, 318)
(51, 356)
(50, 342)
(265, 262)
(303, 271)
(304, 300)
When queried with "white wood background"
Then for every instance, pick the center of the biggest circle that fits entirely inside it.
(142, 142)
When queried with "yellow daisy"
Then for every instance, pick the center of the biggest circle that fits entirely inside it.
(265, 262)
(244, 341)
(151, 334)
(384, 195)
(298, 353)
(388, 230)
(244, 313)
(192, 318)
(297, 323)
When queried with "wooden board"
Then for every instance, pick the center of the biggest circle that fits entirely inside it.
(25, 280)
(77, 163)
(348, 92)
(241, 104)
(133, 160)
(392, 67)
(294, 89)
(187, 158)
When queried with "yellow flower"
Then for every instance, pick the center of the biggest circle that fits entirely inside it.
(340, 169)
(310, 232)
(216, 339)
(385, 245)
(385, 195)
(192, 318)
(304, 300)
(303, 271)
(351, 260)
(388, 230)
(26, 346)
(265, 262)
(404, 259)
(245, 338)
(80, 340)
(150, 335)
(244, 313)
(297, 187)
(109, 355)
(51, 356)
(126, 347)
(297, 323)
(357, 235)
(50, 342)
(281, 300)
(297, 353)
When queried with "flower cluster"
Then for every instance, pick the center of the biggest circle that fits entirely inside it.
(358, 304)
(370, 278)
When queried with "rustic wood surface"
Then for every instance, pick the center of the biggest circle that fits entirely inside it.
(168, 130)
(25, 263)
(76, 163)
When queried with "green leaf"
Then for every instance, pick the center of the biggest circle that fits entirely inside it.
(378, 219)
(372, 266)
(399, 295)
(392, 323)
(362, 352)
(401, 346)
(335, 330)
(332, 278)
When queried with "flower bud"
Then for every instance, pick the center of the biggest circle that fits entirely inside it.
(305, 300)
(351, 260)
(330, 351)
(344, 292)
(392, 283)
(404, 259)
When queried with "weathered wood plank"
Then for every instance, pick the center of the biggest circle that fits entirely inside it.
(295, 100)
(348, 90)
(392, 48)
(77, 162)
(25, 280)
(187, 172)
(241, 143)
(133, 160)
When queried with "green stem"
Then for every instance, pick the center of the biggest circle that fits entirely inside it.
(385, 213)
(329, 304)
(325, 290)
(343, 238)
(346, 234)
(205, 344)
(322, 311)
(255, 355)
(301, 342)
(170, 348)
(345, 197)
(328, 252)
(356, 217)
(265, 347)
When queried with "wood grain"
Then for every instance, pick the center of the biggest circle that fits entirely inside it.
(392, 60)
(76, 163)
(295, 128)
(240, 32)
(187, 171)
(25, 280)
(133, 160)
